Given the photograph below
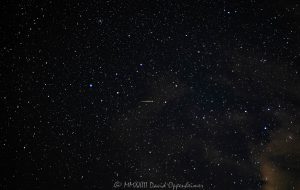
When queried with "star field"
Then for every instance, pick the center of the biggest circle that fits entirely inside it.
(96, 93)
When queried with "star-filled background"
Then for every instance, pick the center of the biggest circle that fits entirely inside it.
(98, 92)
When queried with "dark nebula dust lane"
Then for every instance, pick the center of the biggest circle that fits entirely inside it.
(150, 94)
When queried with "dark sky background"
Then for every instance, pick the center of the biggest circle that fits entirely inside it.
(99, 92)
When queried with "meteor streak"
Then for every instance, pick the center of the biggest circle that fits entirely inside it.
(147, 101)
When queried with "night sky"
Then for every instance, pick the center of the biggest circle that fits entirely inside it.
(97, 94)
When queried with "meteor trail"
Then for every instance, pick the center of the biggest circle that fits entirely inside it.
(147, 101)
